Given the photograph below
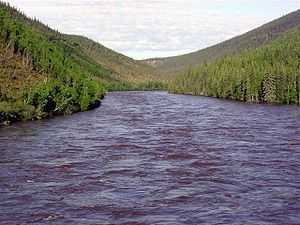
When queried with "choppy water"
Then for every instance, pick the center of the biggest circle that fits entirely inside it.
(154, 158)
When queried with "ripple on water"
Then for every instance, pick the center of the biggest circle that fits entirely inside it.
(154, 158)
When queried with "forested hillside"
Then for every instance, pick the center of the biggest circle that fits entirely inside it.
(269, 74)
(253, 39)
(46, 73)
(124, 67)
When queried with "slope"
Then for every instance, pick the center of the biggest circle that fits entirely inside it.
(124, 67)
(47, 73)
(252, 39)
(268, 74)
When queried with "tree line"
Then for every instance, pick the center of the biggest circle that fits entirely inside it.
(268, 74)
(68, 85)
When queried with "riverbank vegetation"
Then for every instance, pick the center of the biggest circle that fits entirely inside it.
(45, 73)
(268, 74)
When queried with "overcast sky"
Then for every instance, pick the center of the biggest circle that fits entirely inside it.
(156, 28)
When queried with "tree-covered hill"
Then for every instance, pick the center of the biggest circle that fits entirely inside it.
(249, 40)
(44, 72)
(124, 67)
(268, 74)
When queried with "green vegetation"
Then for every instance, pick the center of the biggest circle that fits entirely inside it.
(269, 74)
(123, 67)
(45, 73)
(250, 40)
(67, 86)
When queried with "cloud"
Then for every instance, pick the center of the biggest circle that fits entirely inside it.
(156, 28)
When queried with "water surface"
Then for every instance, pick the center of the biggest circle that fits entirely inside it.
(154, 158)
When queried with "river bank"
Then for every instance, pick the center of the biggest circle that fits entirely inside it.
(29, 113)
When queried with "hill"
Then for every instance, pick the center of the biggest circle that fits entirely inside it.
(46, 73)
(253, 39)
(124, 68)
(267, 74)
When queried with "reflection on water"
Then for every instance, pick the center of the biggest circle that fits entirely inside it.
(154, 158)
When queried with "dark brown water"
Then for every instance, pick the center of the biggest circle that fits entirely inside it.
(154, 158)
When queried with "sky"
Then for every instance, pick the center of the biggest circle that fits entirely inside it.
(156, 28)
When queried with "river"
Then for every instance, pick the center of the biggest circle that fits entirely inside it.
(154, 158)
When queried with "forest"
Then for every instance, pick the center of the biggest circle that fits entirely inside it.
(45, 73)
(249, 40)
(66, 87)
(267, 74)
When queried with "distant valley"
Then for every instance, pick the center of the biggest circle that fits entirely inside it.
(44, 73)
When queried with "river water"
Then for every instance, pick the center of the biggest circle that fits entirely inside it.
(154, 158)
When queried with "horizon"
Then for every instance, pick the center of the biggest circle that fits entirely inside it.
(129, 29)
